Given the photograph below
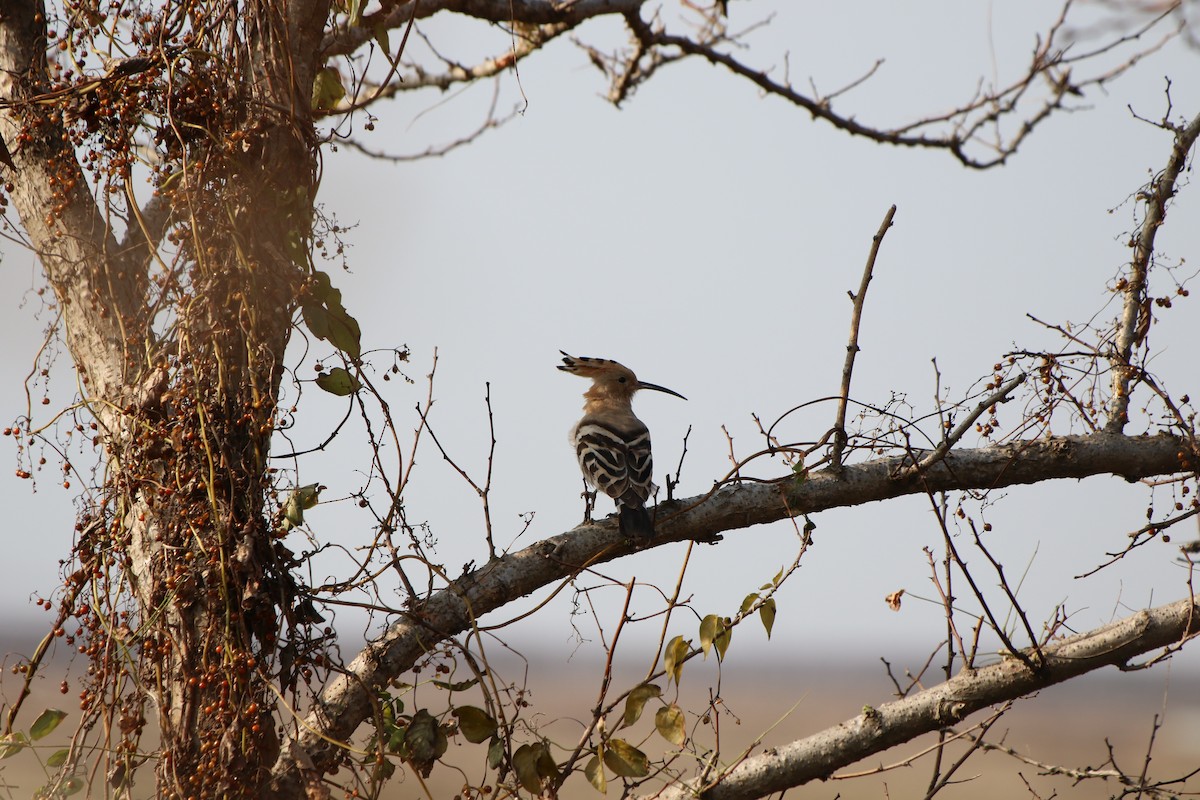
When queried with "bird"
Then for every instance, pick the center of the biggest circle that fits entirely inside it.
(611, 443)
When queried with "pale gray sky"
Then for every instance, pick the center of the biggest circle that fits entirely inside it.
(706, 237)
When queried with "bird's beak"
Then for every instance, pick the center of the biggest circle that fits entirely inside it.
(657, 388)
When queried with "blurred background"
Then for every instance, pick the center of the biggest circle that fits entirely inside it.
(707, 237)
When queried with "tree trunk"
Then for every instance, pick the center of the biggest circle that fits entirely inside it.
(178, 332)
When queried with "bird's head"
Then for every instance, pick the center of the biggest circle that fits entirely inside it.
(610, 380)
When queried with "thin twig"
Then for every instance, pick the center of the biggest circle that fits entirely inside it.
(839, 427)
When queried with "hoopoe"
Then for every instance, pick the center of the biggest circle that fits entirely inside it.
(613, 445)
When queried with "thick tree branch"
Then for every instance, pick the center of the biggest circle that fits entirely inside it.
(1134, 324)
(100, 293)
(346, 702)
(818, 756)
(344, 41)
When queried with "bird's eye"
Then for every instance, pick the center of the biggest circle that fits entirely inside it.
(621, 379)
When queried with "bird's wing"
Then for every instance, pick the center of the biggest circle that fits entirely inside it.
(616, 461)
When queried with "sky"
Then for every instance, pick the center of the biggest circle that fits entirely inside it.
(706, 237)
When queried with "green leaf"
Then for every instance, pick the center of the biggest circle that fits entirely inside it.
(46, 722)
(12, 744)
(316, 319)
(425, 742)
(58, 758)
(382, 39)
(355, 10)
(545, 762)
(669, 723)
(309, 495)
(327, 318)
(495, 756)
(396, 739)
(327, 89)
(673, 658)
(595, 775)
(344, 333)
(293, 513)
(626, 760)
(460, 686)
(525, 764)
(298, 500)
(710, 628)
(476, 724)
(748, 602)
(636, 701)
(338, 382)
(766, 612)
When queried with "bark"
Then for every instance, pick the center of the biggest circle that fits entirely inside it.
(99, 288)
(817, 757)
(185, 403)
(178, 330)
(346, 701)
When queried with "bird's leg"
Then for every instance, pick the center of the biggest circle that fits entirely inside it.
(589, 502)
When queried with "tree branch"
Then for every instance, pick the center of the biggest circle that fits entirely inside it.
(346, 702)
(570, 13)
(1135, 313)
(101, 294)
(818, 756)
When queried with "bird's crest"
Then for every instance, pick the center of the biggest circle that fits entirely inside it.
(588, 367)
(609, 376)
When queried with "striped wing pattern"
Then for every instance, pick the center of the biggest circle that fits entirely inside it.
(615, 461)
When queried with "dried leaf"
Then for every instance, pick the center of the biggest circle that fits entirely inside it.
(475, 724)
(595, 775)
(673, 658)
(710, 628)
(327, 90)
(637, 701)
(626, 760)
(724, 638)
(669, 723)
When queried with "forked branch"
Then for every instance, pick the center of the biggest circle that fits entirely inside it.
(1134, 324)
(818, 756)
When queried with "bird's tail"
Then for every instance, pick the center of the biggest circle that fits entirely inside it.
(635, 522)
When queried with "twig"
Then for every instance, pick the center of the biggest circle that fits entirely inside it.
(939, 452)
(598, 710)
(839, 437)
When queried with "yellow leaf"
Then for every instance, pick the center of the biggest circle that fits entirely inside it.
(626, 760)
(669, 723)
(710, 629)
(748, 602)
(673, 658)
(723, 638)
(637, 701)
(327, 90)
(766, 612)
(595, 775)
